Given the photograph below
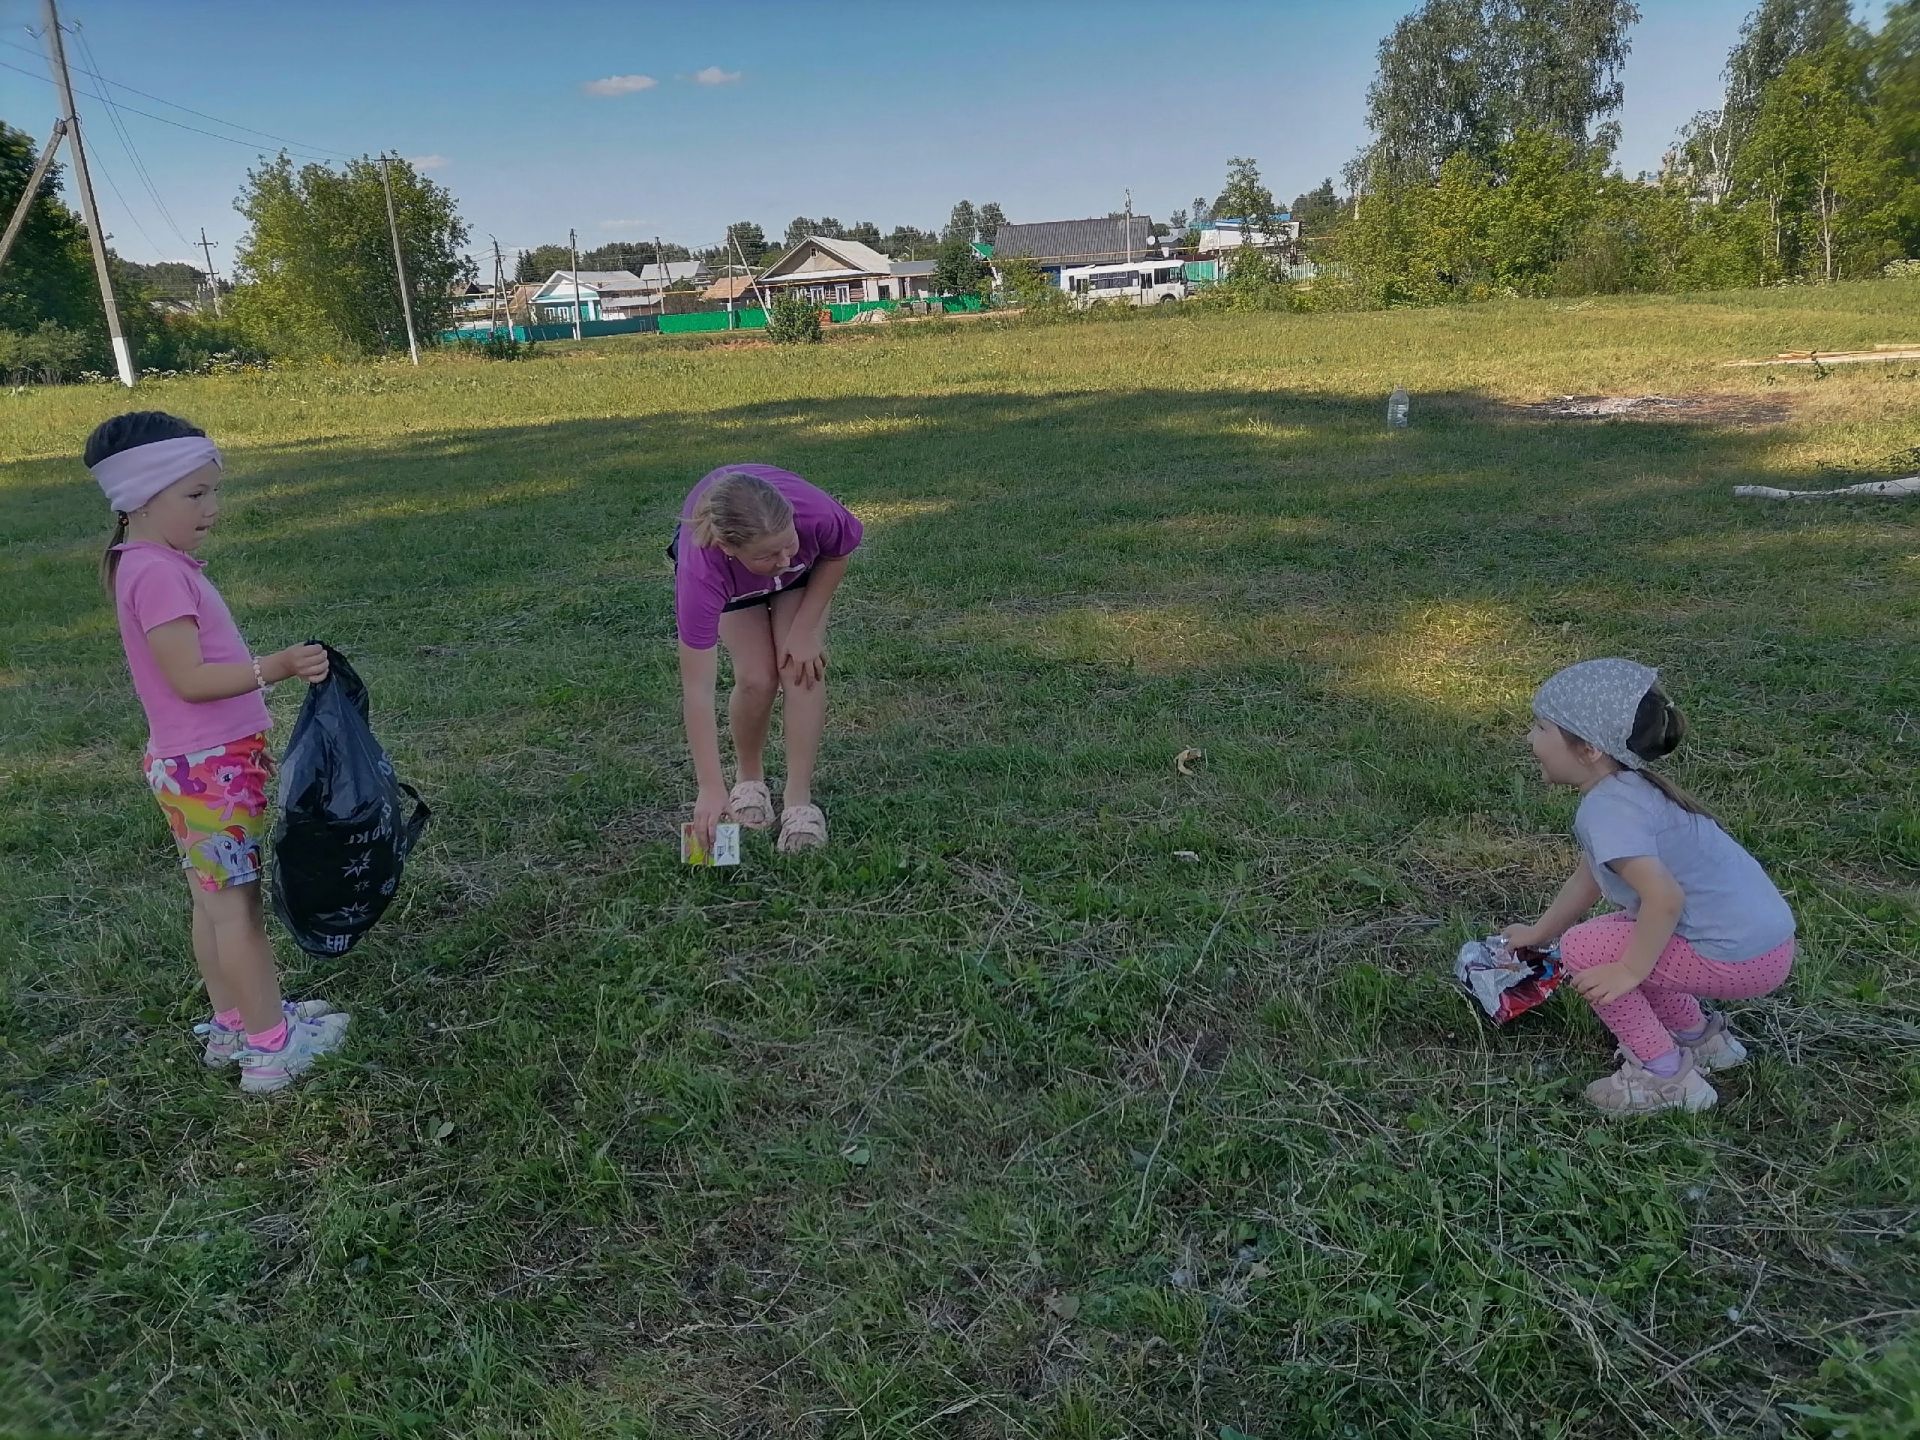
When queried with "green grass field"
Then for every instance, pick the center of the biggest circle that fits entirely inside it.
(1001, 1118)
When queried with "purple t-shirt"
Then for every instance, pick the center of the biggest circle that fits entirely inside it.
(707, 580)
(152, 585)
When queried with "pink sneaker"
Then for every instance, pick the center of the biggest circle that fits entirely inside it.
(224, 1045)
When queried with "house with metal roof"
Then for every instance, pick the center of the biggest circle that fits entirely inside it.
(596, 294)
(1054, 245)
(842, 272)
(611, 294)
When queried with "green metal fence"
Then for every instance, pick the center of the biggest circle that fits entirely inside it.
(705, 322)
(589, 330)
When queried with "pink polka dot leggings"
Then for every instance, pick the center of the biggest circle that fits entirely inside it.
(1667, 1003)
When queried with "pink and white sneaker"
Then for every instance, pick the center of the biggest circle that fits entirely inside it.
(224, 1045)
(264, 1072)
(1718, 1048)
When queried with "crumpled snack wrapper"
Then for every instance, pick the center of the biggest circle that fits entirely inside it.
(1505, 980)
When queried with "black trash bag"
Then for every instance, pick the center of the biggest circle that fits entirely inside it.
(342, 840)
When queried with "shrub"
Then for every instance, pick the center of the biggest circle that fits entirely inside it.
(201, 344)
(793, 319)
(1254, 282)
(46, 356)
(495, 345)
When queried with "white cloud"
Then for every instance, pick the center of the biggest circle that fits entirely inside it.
(619, 85)
(428, 162)
(714, 75)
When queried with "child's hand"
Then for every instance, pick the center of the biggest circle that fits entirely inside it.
(304, 662)
(708, 811)
(1526, 937)
(1604, 984)
(803, 660)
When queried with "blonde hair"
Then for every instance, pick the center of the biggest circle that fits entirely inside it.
(736, 510)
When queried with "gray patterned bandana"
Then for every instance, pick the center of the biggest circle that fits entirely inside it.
(1597, 700)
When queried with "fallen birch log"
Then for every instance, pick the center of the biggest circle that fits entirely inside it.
(1836, 357)
(1886, 489)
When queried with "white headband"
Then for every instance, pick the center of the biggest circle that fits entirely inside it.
(133, 477)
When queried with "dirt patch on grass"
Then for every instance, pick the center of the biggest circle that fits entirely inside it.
(1736, 410)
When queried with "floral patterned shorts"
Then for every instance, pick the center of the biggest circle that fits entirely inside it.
(215, 802)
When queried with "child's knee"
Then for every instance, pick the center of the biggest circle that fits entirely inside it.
(756, 685)
(232, 905)
(1594, 942)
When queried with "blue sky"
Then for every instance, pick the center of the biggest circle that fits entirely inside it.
(760, 109)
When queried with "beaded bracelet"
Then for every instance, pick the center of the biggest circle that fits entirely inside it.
(259, 676)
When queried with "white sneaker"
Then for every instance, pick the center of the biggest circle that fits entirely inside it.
(1718, 1049)
(224, 1045)
(263, 1072)
(1635, 1090)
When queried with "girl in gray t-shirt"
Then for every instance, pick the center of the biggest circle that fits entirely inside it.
(1697, 915)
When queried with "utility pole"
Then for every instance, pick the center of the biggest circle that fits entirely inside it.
(500, 306)
(1129, 225)
(122, 357)
(399, 265)
(213, 280)
(753, 283)
(32, 192)
(573, 244)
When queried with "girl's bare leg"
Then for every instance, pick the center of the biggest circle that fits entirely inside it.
(805, 711)
(242, 954)
(748, 639)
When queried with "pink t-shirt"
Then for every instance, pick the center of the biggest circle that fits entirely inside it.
(706, 581)
(153, 585)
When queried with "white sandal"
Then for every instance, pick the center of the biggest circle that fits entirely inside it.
(751, 803)
(802, 827)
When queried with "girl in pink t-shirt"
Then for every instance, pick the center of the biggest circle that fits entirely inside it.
(757, 559)
(206, 762)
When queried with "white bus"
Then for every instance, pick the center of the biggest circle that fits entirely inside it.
(1139, 282)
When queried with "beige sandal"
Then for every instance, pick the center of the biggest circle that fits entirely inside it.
(751, 803)
(802, 827)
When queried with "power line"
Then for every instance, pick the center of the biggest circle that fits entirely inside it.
(114, 186)
(188, 109)
(133, 153)
(148, 114)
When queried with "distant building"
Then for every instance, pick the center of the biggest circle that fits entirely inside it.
(1056, 245)
(611, 294)
(1218, 236)
(842, 272)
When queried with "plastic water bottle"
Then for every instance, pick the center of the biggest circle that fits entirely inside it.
(1398, 404)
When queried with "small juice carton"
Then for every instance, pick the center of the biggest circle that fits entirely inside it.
(726, 846)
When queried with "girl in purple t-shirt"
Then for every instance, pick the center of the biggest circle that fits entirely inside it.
(206, 762)
(757, 559)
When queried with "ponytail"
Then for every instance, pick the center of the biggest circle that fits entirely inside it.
(1678, 796)
(110, 561)
(1658, 729)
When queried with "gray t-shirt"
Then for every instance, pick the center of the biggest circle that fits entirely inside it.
(1733, 911)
